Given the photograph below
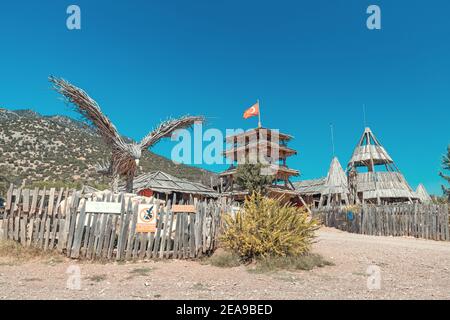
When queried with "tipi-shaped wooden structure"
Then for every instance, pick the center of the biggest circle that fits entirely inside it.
(373, 175)
(331, 190)
(423, 194)
(335, 189)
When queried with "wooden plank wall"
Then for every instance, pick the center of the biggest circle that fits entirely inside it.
(57, 220)
(427, 221)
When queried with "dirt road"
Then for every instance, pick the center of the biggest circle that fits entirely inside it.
(408, 269)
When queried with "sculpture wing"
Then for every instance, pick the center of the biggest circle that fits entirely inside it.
(166, 128)
(90, 111)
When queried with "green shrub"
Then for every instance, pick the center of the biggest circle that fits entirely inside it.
(55, 184)
(267, 227)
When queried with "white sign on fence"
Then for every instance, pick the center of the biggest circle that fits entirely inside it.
(103, 207)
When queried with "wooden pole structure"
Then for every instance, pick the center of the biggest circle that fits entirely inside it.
(259, 114)
(332, 139)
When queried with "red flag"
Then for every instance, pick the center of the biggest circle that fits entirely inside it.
(252, 111)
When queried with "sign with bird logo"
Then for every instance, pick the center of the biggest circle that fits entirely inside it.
(146, 219)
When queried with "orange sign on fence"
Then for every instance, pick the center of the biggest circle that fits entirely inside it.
(146, 219)
(179, 208)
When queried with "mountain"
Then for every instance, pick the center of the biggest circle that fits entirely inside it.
(58, 150)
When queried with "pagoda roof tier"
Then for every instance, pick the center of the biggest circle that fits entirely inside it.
(274, 190)
(283, 151)
(281, 171)
(252, 132)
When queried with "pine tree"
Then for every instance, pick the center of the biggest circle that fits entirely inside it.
(249, 177)
(446, 166)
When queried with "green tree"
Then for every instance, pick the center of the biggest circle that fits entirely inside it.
(446, 166)
(249, 177)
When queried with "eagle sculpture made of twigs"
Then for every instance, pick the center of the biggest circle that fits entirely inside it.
(125, 156)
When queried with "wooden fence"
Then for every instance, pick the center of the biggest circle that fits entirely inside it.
(57, 220)
(414, 220)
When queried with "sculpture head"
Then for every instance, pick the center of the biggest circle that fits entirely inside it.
(135, 152)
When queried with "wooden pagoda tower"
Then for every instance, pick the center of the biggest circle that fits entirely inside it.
(265, 146)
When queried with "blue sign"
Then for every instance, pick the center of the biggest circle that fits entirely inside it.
(350, 215)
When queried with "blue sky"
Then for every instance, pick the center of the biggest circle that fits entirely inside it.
(311, 63)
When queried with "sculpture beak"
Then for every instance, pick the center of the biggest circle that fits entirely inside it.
(137, 161)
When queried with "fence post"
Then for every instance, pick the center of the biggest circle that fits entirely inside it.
(446, 224)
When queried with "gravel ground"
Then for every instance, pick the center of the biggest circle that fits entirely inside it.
(409, 269)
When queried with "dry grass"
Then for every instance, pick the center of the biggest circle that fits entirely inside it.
(33, 280)
(98, 278)
(13, 253)
(226, 259)
(144, 271)
(304, 262)
(223, 259)
(200, 287)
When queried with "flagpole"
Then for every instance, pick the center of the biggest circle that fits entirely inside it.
(259, 114)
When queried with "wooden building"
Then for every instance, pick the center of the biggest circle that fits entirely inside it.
(163, 185)
(325, 192)
(268, 147)
(373, 176)
(423, 194)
